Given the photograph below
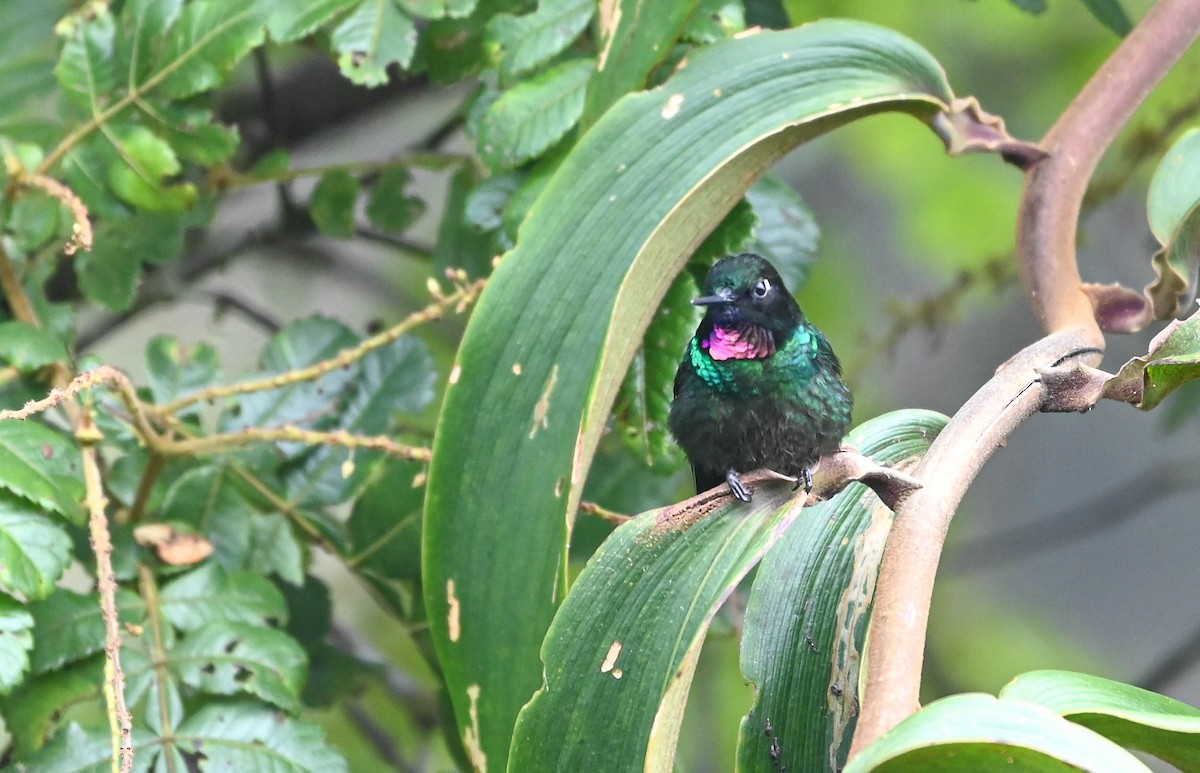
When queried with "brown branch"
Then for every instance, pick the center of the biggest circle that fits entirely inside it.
(914, 548)
(210, 444)
(106, 583)
(1055, 187)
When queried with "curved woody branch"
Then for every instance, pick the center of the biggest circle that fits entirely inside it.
(1046, 228)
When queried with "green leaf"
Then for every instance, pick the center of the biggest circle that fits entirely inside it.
(145, 24)
(436, 9)
(385, 525)
(397, 378)
(533, 115)
(85, 67)
(633, 39)
(148, 162)
(294, 19)
(33, 709)
(333, 203)
(376, 34)
(786, 233)
(978, 733)
(201, 50)
(27, 61)
(1173, 208)
(34, 552)
(29, 348)
(68, 626)
(521, 43)
(274, 547)
(109, 273)
(192, 133)
(1111, 14)
(40, 465)
(16, 640)
(247, 736)
(807, 615)
(389, 209)
(458, 245)
(211, 594)
(597, 252)
(622, 649)
(78, 750)
(1031, 6)
(715, 20)
(300, 344)
(644, 401)
(36, 218)
(1128, 715)
(1173, 360)
(228, 658)
(175, 371)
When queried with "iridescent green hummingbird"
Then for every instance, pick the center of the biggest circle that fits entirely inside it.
(759, 385)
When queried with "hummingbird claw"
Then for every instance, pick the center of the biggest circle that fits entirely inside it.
(739, 489)
(806, 479)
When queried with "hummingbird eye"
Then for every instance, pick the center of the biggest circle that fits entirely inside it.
(761, 288)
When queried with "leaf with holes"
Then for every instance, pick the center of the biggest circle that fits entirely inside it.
(41, 466)
(520, 43)
(808, 612)
(375, 35)
(249, 736)
(38, 703)
(533, 115)
(227, 658)
(389, 208)
(1128, 715)
(334, 202)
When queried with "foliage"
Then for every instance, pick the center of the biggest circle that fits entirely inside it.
(614, 152)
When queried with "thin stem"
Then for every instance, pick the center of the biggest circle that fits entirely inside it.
(1055, 187)
(210, 444)
(158, 657)
(106, 582)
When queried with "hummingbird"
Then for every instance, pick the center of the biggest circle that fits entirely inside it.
(759, 385)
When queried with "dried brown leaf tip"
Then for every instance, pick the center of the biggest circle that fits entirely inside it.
(173, 546)
(1119, 309)
(967, 128)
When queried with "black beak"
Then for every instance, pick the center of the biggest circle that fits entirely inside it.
(725, 296)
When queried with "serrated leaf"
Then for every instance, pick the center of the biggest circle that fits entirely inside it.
(202, 48)
(294, 19)
(633, 38)
(204, 498)
(388, 208)
(333, 203)
(808, 611)
(175, 371)
(36, 705)
(16, 640)
(211, 594)
(69, 626)
(85, 67)
(85, 169)
(145, 24)
(1173, 208)
(27, 347)
(34, 552)
(397, 378)
(248, 736)
(786, 233)
(1173, 360)
(597, 251)
(521, 43)
(300, 344)
(376, 34)
(75, 749)
(644, 401)
(533, 115)
(227, 658)
(985, 735)
(1111, 14)
(109, 273)
(192, 133)
(274, 547)
(620, 651)
(40, 465)
(1128, 715)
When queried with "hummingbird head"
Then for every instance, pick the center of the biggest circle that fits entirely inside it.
(746, 290)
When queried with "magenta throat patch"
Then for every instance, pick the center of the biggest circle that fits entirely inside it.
(741, 343)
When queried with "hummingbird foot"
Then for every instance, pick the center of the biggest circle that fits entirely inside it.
(739, 489)
(804, 479)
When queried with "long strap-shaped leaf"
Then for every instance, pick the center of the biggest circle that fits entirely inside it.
(547, 346)
(808, 613)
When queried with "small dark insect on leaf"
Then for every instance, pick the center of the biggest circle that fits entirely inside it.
(775, 749)
(837, 691)
(768, 728)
